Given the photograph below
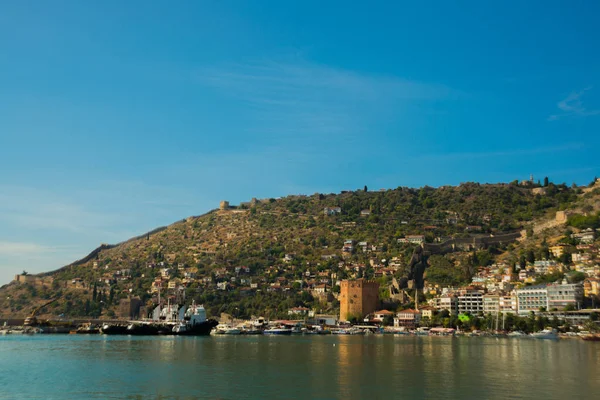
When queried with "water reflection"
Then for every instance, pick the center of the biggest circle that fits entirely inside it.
(325, 367)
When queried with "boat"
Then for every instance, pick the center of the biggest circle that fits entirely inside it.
(114, 329)
(195, 322)
(278, 331)
(297, 329)
(142, 329)
(224, 329)
(591, 337)
(548, 333)
(31, 330)
(422, 331)
(516, 334)
(251, 331)
(88, 329)
(232, 331)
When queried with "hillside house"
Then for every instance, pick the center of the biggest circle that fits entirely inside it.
(586, 236)
(298, 311)
(332, 210)
(413, 239)
(558, 250)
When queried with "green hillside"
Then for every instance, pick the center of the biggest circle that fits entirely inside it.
(288, 247)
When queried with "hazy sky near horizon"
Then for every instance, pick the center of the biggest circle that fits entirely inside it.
(118, 117)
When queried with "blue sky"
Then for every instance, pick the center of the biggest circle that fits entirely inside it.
(117, 117)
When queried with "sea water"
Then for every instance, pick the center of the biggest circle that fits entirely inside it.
(292, 367)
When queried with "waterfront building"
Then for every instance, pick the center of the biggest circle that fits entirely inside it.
(407, 318)
(324, 319)
(532, 298)
(447, 302)
(379, 316)
(507, 304)
(426, 312)
(470, 300)
(358, 298)
(490, 303)
(563, 295)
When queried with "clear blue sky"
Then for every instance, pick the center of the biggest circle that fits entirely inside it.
(117, 117)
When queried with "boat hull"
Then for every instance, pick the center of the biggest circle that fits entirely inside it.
(201, 329)
(114, 330)
(142, 330)
(278, 332)
(591, 338)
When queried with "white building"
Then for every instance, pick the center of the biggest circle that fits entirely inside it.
(414, 239)
(447, 302)
(507, 304)
(563, 295)
(490, 304)
(532, 298)
(408, 318)
(470, 301)
(498, 303)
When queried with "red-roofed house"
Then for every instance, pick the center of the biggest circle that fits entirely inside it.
(379, 316)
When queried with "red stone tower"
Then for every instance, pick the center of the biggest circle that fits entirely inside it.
(358, 298)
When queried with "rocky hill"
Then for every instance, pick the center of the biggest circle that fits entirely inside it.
(265, 256)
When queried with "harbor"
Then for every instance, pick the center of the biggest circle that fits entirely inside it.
(260, 326)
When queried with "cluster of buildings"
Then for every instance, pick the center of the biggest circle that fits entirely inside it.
(476, 300)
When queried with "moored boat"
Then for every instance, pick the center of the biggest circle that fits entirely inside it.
(88, 329)
(514, 334)
(592, 337)
(278, 331)
(252, 331)
(546, 334)
(114, 329)
(194, 322)
(142, 329)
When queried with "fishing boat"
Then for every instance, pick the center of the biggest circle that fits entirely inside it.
(194, 322)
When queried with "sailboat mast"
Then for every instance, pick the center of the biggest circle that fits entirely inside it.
(497, 316)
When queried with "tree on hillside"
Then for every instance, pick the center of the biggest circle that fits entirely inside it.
(545, 181)
(522, 262)
(530, 256)
(365, 189)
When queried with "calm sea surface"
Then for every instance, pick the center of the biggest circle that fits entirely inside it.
(319, 367)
